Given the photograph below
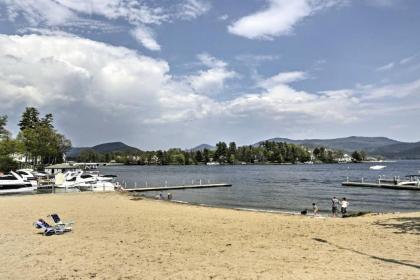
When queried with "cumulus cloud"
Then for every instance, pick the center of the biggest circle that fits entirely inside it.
(102, 92)
(65, 71)
(210, 81)
(278, 18)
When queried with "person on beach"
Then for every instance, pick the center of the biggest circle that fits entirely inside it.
(315, 209)
(161, 196)
(169, 196)
(334, 206)
(344, 204)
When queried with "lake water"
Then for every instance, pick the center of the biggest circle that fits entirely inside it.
(279, 187)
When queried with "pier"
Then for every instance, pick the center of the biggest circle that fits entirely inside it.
(165, 188)
(379, 184)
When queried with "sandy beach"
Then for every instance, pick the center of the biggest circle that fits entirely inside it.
(119, 237)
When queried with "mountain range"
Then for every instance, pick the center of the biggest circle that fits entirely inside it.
(375, 146)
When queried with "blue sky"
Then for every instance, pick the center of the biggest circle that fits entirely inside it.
(159, 74)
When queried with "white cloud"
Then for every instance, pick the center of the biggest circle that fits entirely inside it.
(393, 91)
(191, 9)
(76, 15)
(146, 37)
(57, 12)
(211, 61)
(283, 78)
(279, 18)
(212, 80)
(101, 92)
(386, 67)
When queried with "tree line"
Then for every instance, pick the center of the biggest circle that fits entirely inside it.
(38, 143)
(264, 153)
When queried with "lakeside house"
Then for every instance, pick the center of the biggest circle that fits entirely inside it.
(345, 159)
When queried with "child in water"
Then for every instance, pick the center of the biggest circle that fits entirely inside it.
(344, 205)
(315, 209)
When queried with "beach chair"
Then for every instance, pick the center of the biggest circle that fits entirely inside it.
(59, 222)
(48, 230)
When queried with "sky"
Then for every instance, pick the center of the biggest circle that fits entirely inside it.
(178, 73)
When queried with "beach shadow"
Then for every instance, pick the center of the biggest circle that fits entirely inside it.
(410, 225)
(394, 261)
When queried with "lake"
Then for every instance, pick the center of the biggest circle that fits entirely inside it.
(279, 187)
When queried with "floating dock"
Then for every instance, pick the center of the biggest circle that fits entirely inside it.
(380, 185)
(202, 186)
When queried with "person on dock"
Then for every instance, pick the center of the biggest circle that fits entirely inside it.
(334, 206)
(315, 209)
(344, 205)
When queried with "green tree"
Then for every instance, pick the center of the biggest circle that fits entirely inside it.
(4, 133)
(206, 155)
(7, 148)
(30, 118)
(42, 143)
(358, 156)
(221, 152)
(198, 156)
(47, 121)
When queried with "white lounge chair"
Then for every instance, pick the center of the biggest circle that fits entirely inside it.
(59, 222)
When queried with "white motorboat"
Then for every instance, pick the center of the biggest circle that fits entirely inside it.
(28, 175)
(14, 183)
(98, 186)
(84, 181)
(100, 177)
(377, 167)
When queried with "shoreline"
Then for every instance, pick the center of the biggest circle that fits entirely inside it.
(322, 213)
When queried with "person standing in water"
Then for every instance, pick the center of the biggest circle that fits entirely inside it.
(344, 205)
(315, 209)
(334, 206)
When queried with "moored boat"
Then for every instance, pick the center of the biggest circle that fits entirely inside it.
(14, 183)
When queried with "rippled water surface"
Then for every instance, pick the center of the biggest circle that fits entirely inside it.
(279, 187)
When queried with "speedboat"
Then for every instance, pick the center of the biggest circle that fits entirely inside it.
(377, 167)
(84, 181)
(100, 177)
(28, 175)
(14, 183)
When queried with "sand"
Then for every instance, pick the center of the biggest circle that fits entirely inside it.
(118, 237)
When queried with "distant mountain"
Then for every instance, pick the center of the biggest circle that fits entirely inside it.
(400, 151)
(347, 144)
(114, 147)
(111, 147)
(202, 147)
(75, 152)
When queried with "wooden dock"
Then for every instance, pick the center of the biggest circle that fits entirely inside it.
(202, 186)
(380, 185)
